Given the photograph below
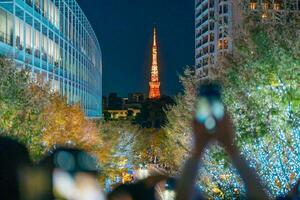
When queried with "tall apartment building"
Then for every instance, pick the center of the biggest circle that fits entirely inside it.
(54, 39)
(213, 28)
(216, 22)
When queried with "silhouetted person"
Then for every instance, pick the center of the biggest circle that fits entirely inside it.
(224, 134)
(13, 157)
(142, 190)
(72, 174)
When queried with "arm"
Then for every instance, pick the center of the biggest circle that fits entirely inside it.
(186, 184)
(249, 176)
(225, 135)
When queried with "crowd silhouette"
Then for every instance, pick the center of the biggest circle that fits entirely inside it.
(71, 174)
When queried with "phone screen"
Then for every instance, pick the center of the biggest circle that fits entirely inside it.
(165, 189)
(76, 186)
(209, 108)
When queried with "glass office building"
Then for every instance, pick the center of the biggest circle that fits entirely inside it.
(55, 40)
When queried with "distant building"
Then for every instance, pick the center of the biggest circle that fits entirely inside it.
(115, 102)
(135, 100)
(213, 28)
(123, 108)
(133, 112)
(124, 101)
(104, 103)
(137, 97)
(118, 114)
(123, 114)
(217, 23)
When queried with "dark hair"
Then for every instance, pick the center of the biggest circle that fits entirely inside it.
(13, 155)
(135, 191)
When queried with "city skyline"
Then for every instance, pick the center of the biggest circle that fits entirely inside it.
(126, 39)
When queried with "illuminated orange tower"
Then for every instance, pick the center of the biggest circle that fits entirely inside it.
(154, 84)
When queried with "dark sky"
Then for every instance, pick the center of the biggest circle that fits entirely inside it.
(124, 29)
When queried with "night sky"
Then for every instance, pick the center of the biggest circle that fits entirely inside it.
(124, 29)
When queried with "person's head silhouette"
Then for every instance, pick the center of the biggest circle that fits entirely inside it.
(13, 156)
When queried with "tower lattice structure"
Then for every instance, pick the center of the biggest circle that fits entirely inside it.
(154, 84)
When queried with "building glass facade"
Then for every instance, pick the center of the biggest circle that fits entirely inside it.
(54, 39)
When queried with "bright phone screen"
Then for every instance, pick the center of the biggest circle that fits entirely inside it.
(77, 186)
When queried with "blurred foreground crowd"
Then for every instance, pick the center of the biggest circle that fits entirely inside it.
(71, 174)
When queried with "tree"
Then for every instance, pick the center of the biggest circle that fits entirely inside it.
(31, 113)
(116, 150)
(153, 146)
(179, 116)
(67, 126)
(261, 90)
(152, 112)
(20, 106)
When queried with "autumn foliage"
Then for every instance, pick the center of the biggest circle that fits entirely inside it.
(40, 118)
(67, 125)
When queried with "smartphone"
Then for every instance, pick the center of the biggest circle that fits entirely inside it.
(74, 176)
(209, 107)
(165, 189)
(76, 186)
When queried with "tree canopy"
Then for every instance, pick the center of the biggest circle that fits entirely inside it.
(38, 117)
(261, 90)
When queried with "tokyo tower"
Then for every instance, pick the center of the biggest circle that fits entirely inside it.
(154, 84)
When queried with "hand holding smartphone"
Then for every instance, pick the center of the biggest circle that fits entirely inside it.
(209, 107)
(74, 176)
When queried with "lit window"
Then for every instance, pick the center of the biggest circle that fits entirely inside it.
(211, 37)
(37, 5)
(28, 39)
(223, 44)
(252, 6)
(19, 34)
(265, 6)
(9, 29)
(276, 6)
(29, 2)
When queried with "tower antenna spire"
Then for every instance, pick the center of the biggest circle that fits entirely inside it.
(154, 84)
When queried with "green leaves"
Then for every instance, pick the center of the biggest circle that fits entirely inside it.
(261, 89)
(39, 118)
